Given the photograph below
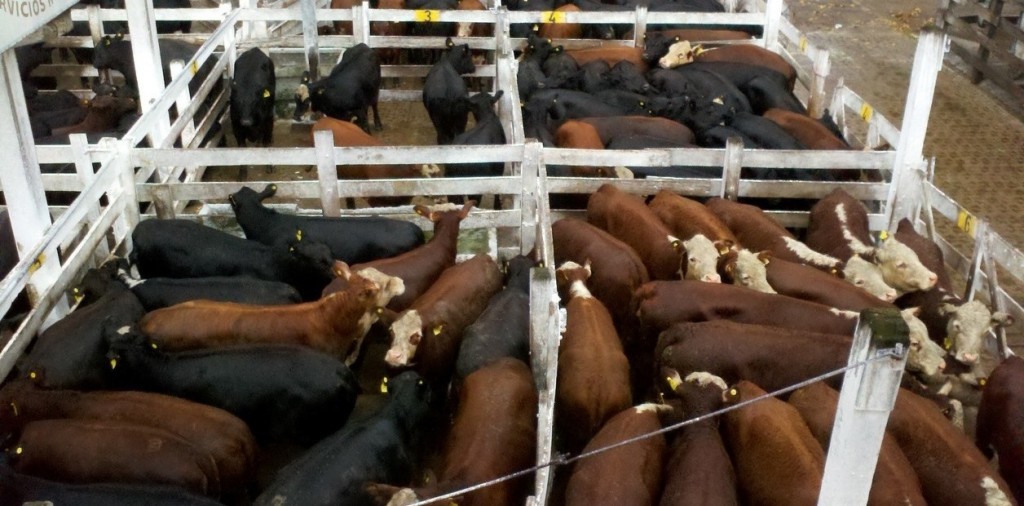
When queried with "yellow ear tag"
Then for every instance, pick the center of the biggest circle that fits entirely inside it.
(32, 375)
(18, 450)
(113, 363)
(298, 235)
(883, 235)
(673, 382)
(947, 343)
(266, 93)
(153, 345)
(380, 310)
(437, 330)
(78, 295)
(384, 385)
(982, 382)
(733, 392)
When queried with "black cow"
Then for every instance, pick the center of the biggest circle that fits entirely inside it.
(632, 104)
(253, 91)
(185, 249)
(283, 392)
(379, 449)
(592, 77)
(62, 99)
(530, 76)
(700, 115)
(503, 329)
(766, 133)
(19, 489)
(486, 131)
(699, 84)
(570, 104)
(113, 52)
(625, 76)
(351, 89)
(70, 353)
(353, 240)
(648, 141)
(444, 92)
(523, 30)
(561, 69)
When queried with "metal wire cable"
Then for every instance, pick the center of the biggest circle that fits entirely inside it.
(561, 461)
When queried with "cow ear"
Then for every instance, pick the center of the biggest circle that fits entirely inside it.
(1001, 318)
(676, 39)
(266, 93)
(947, 309)
(536, 28)
(448, 43)
(765, 256)
(422, 210)
(342, 270)
(497, 96)
(466, 208)
(119, 36)
(677, 244)
(298, 234)
(557, 49)
(729, 267)
(437, 329)
(723, 246)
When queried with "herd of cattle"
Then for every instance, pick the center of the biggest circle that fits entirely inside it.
(347, 361)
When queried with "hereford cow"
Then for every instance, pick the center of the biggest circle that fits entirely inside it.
(593, 372)
(427, 335)
(777, 460)
(1001, 421)
(838, 227)
(335, 324)
(703, 236)
(894, 481)
(627, 218)
(630, 474)
(418, 268)
(951, 469)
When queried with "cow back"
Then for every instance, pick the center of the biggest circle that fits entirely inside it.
(687, 218)
(814, 285)
(627, 218)
(830, 216)
(1001, 421)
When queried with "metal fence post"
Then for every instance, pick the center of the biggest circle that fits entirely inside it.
(327, 172)
(821, 69)
(148, 69)
(544, 338)
(868, 395)
(309, 38)
(732, 167)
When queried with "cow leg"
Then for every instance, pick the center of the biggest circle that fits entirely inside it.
(376, 117)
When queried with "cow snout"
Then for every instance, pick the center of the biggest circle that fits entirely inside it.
(942, 366)
(932, 279)
(246, 122)
(967, 357)
(711, 278)
(396, 358)
(890, 295)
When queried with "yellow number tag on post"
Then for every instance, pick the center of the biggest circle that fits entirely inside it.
(195, 68)
(966, 221)
(866, 112)
(427, 15)
(803, 44)
(553, 17)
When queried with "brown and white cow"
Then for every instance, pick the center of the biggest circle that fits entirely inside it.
(420, 267)
(335, 324)
(1001, 421)
(777, 459)
(838, 227)
(593, 372)
(894, 481)
(698, 471)
(951, 469)
(427, 335)
(627, 218)
(807, 283)
(629, 474)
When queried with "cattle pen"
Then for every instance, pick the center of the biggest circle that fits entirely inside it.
(165, 180)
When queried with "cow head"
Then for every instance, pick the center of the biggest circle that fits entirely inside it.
(303, 102)
(701, 392)
(699, 257)
(679, 53)
(572, 277)
(967, 326)
(625, 75)
(406, 333)
(656, 44)
(459, 57)
(246, 198)
(900, 266)
(387, 287)
(868, 277)
(744, 268)
(925, 356)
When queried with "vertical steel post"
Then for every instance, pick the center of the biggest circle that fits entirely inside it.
(868, 395)
(83, 166)
(309, 37)
(731, 168)
(772, 22)
(821, 69)
(544, 337)
(327, 172)
(640, 26)
(148, 69)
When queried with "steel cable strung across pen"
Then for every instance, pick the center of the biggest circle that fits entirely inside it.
(882, 355)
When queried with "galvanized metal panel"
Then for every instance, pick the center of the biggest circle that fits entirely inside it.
(19, 18)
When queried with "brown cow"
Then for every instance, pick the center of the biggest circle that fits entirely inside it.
(704, 237)
(613, 127)
(951, 469)
(210, 430)
(388, 55)
(104, 113)
(809, 131)
(630, 474)
(419, 268)
(578, 135)
(682, 53)
(698, 472)
(348, 134)
(562, 30)
(494, 434)
(1001, 421)
(616, 269)
(838, 227)
(777, 460)
(343, 27)
(610, 55)
(593, 372)
(335, 324)
(427, 335)
(627, 218)
(894, 482)
(95, 451)
(807, 283)
(660, 304)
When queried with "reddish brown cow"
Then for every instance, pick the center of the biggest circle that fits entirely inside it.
(612, 127)
(894, 482)
(777, 460)
(419, 268)
(769, 356)
(348, 134)
(627, 218)
(388, 55)
(660, 304)
(687, 218)
(610, 55)
(494, 434)
(809, 131)
(630, 474)
(428, 334)
(577, 135)
(616, 269)
(210, 430)
(752, 55)
(593, 372)
(335, 324)
(757, 231)
(1001, 421)
(807, 283)
(104, 113)
(562, 30)
(698, 472)
(94, 451)
(343, 27)
(951, 469)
